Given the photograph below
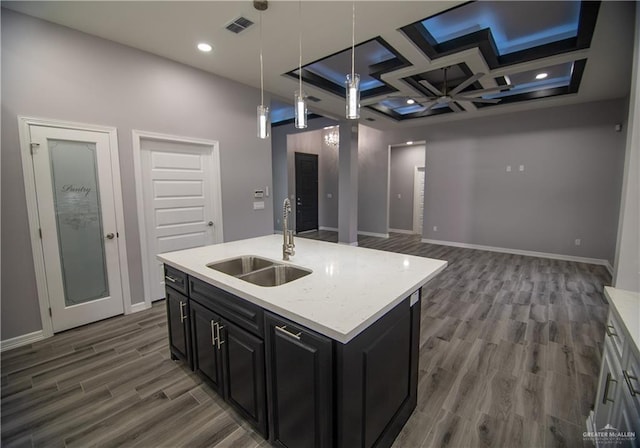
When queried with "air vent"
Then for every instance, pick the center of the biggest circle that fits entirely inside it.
(313, 99)
(238, 25)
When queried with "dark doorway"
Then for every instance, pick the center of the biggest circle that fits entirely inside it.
(306, 192)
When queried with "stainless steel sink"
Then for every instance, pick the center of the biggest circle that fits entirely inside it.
(275, 275)
(241, 265)
(259, 271)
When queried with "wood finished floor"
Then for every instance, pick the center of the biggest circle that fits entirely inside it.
(510, 353)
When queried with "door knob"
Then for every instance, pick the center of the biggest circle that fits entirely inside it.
(210, 223)
(109, 236)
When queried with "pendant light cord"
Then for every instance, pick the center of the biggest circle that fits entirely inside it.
(300, 46)
(261, 68)
(353, 38)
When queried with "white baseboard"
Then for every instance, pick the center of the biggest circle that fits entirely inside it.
(19, 341)
(379, 235)
(355, 243)
(609, 268)
(332, 229)
(408, 232)
(528, 253)
(136, 307)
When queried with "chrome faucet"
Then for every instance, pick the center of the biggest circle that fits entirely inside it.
(288, 245)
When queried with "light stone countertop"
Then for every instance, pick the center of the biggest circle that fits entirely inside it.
(350, 287)
(626, 306)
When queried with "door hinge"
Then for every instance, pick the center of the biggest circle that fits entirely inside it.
(50, 313)
(33, 147)
(40, 232)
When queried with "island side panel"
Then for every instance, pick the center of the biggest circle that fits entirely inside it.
(376, 379)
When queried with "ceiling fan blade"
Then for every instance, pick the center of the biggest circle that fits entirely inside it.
(454, 107)
(477, 100)
(463, 85)
(428, 105)
(430, 87)
(488, 90)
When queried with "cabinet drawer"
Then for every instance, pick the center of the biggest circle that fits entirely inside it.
(615, 334)
(176, 279)
(241, 312)
(631, 378)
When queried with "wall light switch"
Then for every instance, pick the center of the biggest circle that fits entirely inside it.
(508, 168)
(521, 168)
(329, 195)
(435, 228)
(399, 196)
(258, 205)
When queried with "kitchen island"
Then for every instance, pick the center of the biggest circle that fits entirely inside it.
(328, 359)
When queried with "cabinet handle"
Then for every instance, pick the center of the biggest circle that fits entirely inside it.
(610, 331)
(605, 397)
(213, 333)
(182, 315)
(284, 330)
(171, 279)
(219, 327)
(628, 379)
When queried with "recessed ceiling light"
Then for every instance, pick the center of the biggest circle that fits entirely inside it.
(204, 47)
(411, 101)
(409, 143)
(541, 75)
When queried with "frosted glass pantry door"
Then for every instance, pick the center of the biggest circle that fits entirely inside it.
(77, 219)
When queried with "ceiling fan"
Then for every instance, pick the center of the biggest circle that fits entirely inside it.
(451, 97)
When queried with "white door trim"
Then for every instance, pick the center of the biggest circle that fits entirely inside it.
(34, 220)
(138, 135)
(416, 203)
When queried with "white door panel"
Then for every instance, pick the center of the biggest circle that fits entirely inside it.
(180, 187)
(418, 200)
(76, 211)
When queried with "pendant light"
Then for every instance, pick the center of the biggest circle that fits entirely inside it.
(299, 97)
(264, 123)
(352, 82)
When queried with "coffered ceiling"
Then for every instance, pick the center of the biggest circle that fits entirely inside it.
(402, 47)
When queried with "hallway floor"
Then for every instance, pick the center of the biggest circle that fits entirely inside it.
(509, 356)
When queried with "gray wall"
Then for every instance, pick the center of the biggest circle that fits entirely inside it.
(312, 142)
(403, 160)
(279, 163)
(627, 267)
(54, 72)
(373, 175)
(570, 188)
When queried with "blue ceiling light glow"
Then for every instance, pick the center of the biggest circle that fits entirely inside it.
(368, 54)
(514, 26)
(281, 112)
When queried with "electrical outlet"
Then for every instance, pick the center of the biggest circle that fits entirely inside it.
(435, 228)
(521, 167)
(329, 195)
(399, 196)
(508, 168)
(577, 242)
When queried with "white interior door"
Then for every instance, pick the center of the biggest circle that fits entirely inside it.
(76, 211)
(181, 191)
(418, 200)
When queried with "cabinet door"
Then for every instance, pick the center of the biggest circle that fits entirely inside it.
(299, 382)
(607, 398)
(244, 376)
(178, 319)
(206, 355)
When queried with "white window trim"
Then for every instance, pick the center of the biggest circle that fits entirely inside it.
(34, 220)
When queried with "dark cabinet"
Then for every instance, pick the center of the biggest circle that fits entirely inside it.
(178, 323)
(231, 360)
(299, 382)
(243, 367)
(206, 355)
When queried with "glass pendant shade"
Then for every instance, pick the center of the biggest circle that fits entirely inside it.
(300, 110)
(264, 122)
(352, 84)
